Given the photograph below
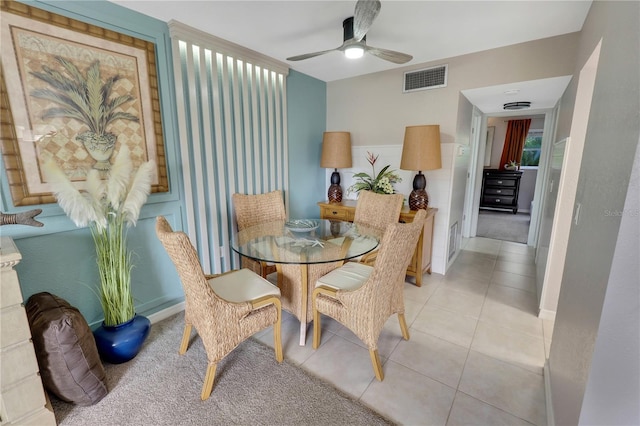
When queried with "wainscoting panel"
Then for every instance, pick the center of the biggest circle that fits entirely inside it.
(438, 188)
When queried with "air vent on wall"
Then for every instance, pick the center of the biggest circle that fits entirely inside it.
(427, 78)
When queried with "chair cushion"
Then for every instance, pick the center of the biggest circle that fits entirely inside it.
(242, 285)
(349, 277)
(69, 362)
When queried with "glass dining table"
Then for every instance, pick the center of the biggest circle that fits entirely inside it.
(303, 251)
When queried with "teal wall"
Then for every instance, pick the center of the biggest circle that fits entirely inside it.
(306, 115)
(59, 258)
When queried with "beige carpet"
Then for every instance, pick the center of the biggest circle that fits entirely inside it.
(503, 225)
(160, 387)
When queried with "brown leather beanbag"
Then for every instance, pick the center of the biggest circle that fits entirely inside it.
(69, 362)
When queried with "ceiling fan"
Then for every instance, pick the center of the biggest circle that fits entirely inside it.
(355, 36)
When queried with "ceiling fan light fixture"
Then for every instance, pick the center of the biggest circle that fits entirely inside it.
(354, 44)
(516, 105)
(354, 52)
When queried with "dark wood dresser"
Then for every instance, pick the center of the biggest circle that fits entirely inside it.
(500, 189)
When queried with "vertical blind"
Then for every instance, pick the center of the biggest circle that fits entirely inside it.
(231, 107)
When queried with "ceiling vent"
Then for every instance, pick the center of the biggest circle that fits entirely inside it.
(427, 78)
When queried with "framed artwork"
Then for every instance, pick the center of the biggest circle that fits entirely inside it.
(487, 150)
(75, 93)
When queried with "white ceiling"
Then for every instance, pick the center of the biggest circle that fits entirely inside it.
(542, 94)
(428, 30)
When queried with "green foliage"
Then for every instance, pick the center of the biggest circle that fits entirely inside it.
(85, 99)
(381, 183)
(114, 267)
(530, 158)
(533, 142)
(531, 152)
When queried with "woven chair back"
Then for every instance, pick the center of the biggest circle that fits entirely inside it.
(200, 299)
(394, 254)
(378, 210)
(259, 208)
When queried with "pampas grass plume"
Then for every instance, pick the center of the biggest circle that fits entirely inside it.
(78, 207)
(119, 176)
(96, 189)
(140, 188)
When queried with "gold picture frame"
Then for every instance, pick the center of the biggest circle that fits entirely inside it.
(43, 54)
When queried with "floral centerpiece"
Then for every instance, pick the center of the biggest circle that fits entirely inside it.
(107, 206)
(382, 183)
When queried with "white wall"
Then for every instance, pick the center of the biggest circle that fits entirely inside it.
(597, 307)
(560, 196)
(461, 164)
(548, 279)
(613, 389)
(527, 189)
(376, 111)
(438, 188)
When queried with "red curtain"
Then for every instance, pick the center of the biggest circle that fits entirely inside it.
(517, 131)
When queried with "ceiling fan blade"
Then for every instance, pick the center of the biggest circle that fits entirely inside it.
(310, 55)
(389, 55)
(364, 15)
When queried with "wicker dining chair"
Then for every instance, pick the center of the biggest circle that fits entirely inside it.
(376, 211)
(363, 297)
(225, 309)
(253, 210)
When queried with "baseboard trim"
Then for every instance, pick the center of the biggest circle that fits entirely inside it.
(547, 394)
(166, 313)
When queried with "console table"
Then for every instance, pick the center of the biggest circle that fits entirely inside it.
(421, 260)
(22, 397)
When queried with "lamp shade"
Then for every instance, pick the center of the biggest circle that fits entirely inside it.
(336, 150)
(421, 148)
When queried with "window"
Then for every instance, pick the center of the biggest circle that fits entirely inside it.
(531, 152)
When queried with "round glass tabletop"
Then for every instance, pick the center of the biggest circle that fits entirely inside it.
(305, 241)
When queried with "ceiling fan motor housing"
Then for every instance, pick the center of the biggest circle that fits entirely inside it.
(347, 26)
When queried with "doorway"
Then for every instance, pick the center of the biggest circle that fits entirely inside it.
(487, 104)
(510, 224)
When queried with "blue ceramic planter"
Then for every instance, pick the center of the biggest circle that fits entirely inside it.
(121, 343)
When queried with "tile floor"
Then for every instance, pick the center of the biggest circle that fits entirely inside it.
(476, 351)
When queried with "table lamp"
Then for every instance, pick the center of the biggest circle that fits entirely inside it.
(420, 151)
(336, 154)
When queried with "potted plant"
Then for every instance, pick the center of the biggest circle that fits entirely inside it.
(109, 207)
(511, 165)
(382, 183)
(87, 99)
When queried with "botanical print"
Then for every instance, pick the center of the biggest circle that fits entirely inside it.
(85, 97)
(71, 91)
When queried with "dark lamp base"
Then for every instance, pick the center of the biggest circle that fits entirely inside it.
(418, 200)
(335, 194)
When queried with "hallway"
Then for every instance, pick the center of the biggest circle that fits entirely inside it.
(503, 225)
